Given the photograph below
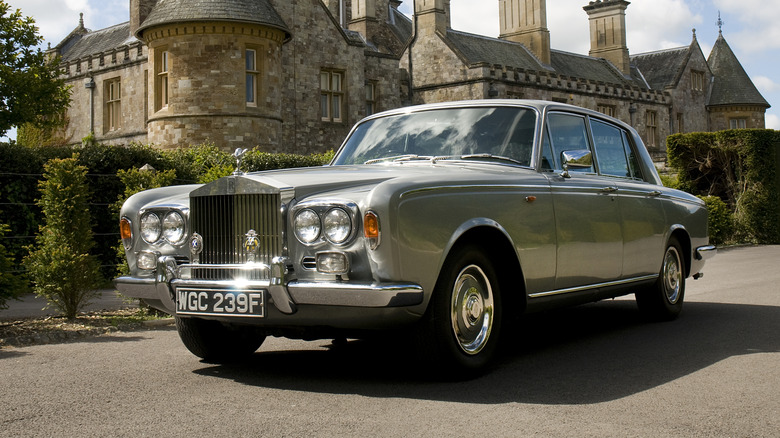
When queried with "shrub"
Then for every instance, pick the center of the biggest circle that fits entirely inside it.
(11, 286)
(741, 168)
(60, 265)
(720, 221)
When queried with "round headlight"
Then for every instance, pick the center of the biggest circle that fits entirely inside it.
(307, 226)
(173, 227)
(337, 225)
(151, 228)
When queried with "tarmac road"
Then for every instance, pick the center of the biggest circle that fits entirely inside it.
(590, 371)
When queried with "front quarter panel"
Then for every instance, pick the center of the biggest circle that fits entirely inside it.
(427, 219)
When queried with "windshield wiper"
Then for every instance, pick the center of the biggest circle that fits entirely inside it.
(493, 157)
(396, 158)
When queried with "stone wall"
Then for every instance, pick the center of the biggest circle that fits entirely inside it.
(318, 44)
(720, 117)
(86, 113)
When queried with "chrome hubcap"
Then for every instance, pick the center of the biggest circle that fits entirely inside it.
(472, 309)
(672, 276)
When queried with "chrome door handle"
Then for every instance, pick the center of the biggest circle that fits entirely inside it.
(609, 190)
(654, 193)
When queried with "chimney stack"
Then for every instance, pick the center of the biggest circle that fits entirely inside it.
(525, 22)
(608, 32)
(364, 18)
(432, 15)
(139, 10)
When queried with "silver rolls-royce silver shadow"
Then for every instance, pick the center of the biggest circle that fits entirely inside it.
(438, 222)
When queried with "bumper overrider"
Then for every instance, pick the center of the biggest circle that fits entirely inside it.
(272, 301)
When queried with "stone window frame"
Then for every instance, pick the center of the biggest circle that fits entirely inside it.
(680, 123)
(332, 95)
(252, 75)
(606, 109)
(738, 123)
(112, 104)
(372, 99)
(651, 120)
(162, 78)
(697, 80)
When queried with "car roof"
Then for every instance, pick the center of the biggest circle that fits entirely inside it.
(541, 106)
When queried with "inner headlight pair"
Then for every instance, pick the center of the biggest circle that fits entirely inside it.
(170, 227)
(335, 225)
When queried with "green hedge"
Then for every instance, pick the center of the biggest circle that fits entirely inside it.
(741, 168)
(22, 167)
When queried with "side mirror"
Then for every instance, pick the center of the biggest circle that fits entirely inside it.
(576, 159)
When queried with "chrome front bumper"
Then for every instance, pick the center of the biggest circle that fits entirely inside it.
(285, 295)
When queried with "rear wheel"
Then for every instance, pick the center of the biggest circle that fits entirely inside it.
(217, 343)
(459, 333)
(664, 299)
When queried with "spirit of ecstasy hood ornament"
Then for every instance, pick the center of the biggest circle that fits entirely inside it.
(239, 155)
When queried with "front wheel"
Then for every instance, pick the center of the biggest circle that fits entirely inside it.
(217, 343)
(459, 333)
(664, 299)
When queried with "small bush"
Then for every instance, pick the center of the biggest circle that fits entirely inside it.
(60, 264)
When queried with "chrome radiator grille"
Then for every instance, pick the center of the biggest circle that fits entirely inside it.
(224, 220)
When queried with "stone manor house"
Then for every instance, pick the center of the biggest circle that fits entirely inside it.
(295, 75)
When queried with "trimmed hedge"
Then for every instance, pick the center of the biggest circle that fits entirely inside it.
(22, 167)
(741, 168)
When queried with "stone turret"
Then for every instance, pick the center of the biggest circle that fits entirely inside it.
(525, 22)
(215, 72)
(608, 32)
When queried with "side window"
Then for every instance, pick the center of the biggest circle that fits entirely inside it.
(568, 133)
(633, 161)
(608, 141)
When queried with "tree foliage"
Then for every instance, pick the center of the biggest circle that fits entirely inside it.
(60, 264)
(31, 89)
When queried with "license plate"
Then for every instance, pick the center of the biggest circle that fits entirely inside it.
(195, 301)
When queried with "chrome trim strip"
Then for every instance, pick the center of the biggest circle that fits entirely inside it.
(706, 252)
(356, 294)
(592, 286)
(503, 187)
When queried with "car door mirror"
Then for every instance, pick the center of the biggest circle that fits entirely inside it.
(576, 159)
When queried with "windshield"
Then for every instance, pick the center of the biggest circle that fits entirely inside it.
(498, 133)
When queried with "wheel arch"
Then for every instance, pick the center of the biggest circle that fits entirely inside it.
(682, 236)
(498, 246)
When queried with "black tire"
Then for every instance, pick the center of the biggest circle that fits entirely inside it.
(216, 343)
(663, 301)
(458, 336)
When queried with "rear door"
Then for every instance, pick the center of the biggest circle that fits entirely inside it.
(641, 213)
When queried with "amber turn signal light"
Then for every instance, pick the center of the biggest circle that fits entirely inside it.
(371, 229)
(126, 232)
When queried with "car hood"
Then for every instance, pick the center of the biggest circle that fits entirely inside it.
(301, 183)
